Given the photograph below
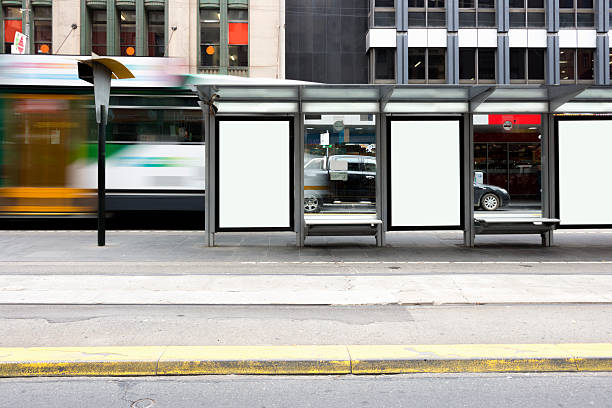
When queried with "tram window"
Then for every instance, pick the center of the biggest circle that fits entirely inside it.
(154, 126)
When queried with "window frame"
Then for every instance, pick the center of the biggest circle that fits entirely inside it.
(476, 10)
(528, 80)
(427, 80)
(575, 79)
(426, 9)
(477, 79)
(526, 10)
(374, 9)
(575, 10)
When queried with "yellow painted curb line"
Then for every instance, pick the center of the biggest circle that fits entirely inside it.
(303, 360)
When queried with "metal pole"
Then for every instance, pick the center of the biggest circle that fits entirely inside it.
(102, 177)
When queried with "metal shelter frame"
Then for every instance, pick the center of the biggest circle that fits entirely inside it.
(295, 99)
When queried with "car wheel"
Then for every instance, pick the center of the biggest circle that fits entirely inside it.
(312, 205)
(489, 202)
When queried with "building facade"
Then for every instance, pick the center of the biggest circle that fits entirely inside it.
(489, 41)
(238, 37)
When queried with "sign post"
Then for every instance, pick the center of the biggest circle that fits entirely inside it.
(99, 72)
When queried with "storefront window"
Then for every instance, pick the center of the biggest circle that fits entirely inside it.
(127, 32)
(42, 30)
(209, 37)
(155, 33)
(12, 24)
(507, 164)
(340, 164)
(98, 32)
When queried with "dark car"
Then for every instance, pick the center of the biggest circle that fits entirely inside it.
(489, 197)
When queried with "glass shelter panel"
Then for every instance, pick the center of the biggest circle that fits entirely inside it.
(507, 164)
(340, 164)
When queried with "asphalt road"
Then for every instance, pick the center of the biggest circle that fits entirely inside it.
(456, 390)
(70, 325)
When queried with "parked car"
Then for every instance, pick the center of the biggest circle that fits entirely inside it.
(490, 198)
(352, 178)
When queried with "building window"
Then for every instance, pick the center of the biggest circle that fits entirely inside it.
(98, 32)
(576, 64)
(477, 13)
(12, 24)
(42, 29)
(527, 64)
(426, 65)
(426, 13)
(155, 33)
(384, 65)
(384, 13)
(209, 37)
(527, 13)
(238, 37)
(576, 13)
(127, 32)
(477, 65)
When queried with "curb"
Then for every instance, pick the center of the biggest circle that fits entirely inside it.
(303, 360)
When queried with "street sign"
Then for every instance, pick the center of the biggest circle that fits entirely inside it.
(507, 125)
(324, 139)
(19, 45)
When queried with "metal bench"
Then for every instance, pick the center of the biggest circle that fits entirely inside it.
(331, 224)
(516, 225)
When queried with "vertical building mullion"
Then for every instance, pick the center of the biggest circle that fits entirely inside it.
(552, 15)
(85, 28)
(601, 16)
(452, 58)
(401, 59)
(602, 60)
(401, 15)
(503, 59)
(141, 29)
(502, 9)
(223, 39)
(553, 74)
(112, 28)
(452, 15)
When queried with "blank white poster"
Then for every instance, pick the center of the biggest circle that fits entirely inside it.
(425, 173)
(254, 174)
(585, 171)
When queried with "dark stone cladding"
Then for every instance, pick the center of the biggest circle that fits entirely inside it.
(325, 41)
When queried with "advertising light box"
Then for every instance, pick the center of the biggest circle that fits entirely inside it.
(585, 171)
(425, 174)
(254, 184)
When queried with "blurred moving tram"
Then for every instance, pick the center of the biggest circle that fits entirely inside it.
(48, 140)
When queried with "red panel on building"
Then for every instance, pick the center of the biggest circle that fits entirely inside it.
(238, 33)
(515, 119)
(10, 26)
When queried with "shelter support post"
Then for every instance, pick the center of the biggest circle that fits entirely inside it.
(381, 174)
(209, 175)
(102, 176)
(547, 175)
(468, 180)
(298, 148)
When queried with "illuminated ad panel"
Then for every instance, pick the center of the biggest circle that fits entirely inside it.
(425, 173)
(585, 171)
(254, 174)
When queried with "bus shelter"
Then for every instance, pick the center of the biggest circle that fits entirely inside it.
(321, 159)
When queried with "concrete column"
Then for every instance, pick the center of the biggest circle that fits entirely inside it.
(141, 29)
(401, 15)
(265, 47)
(223, 47)
(602, 22)
(552, 15)
(178, 45)
(64, 13)
(193, 46)
(602, 60)
(503, 59)
(503, 15)
(84, 31)
(553, 75)
(452, 59)
(112, 28)
(402, 59)
(452, 15)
